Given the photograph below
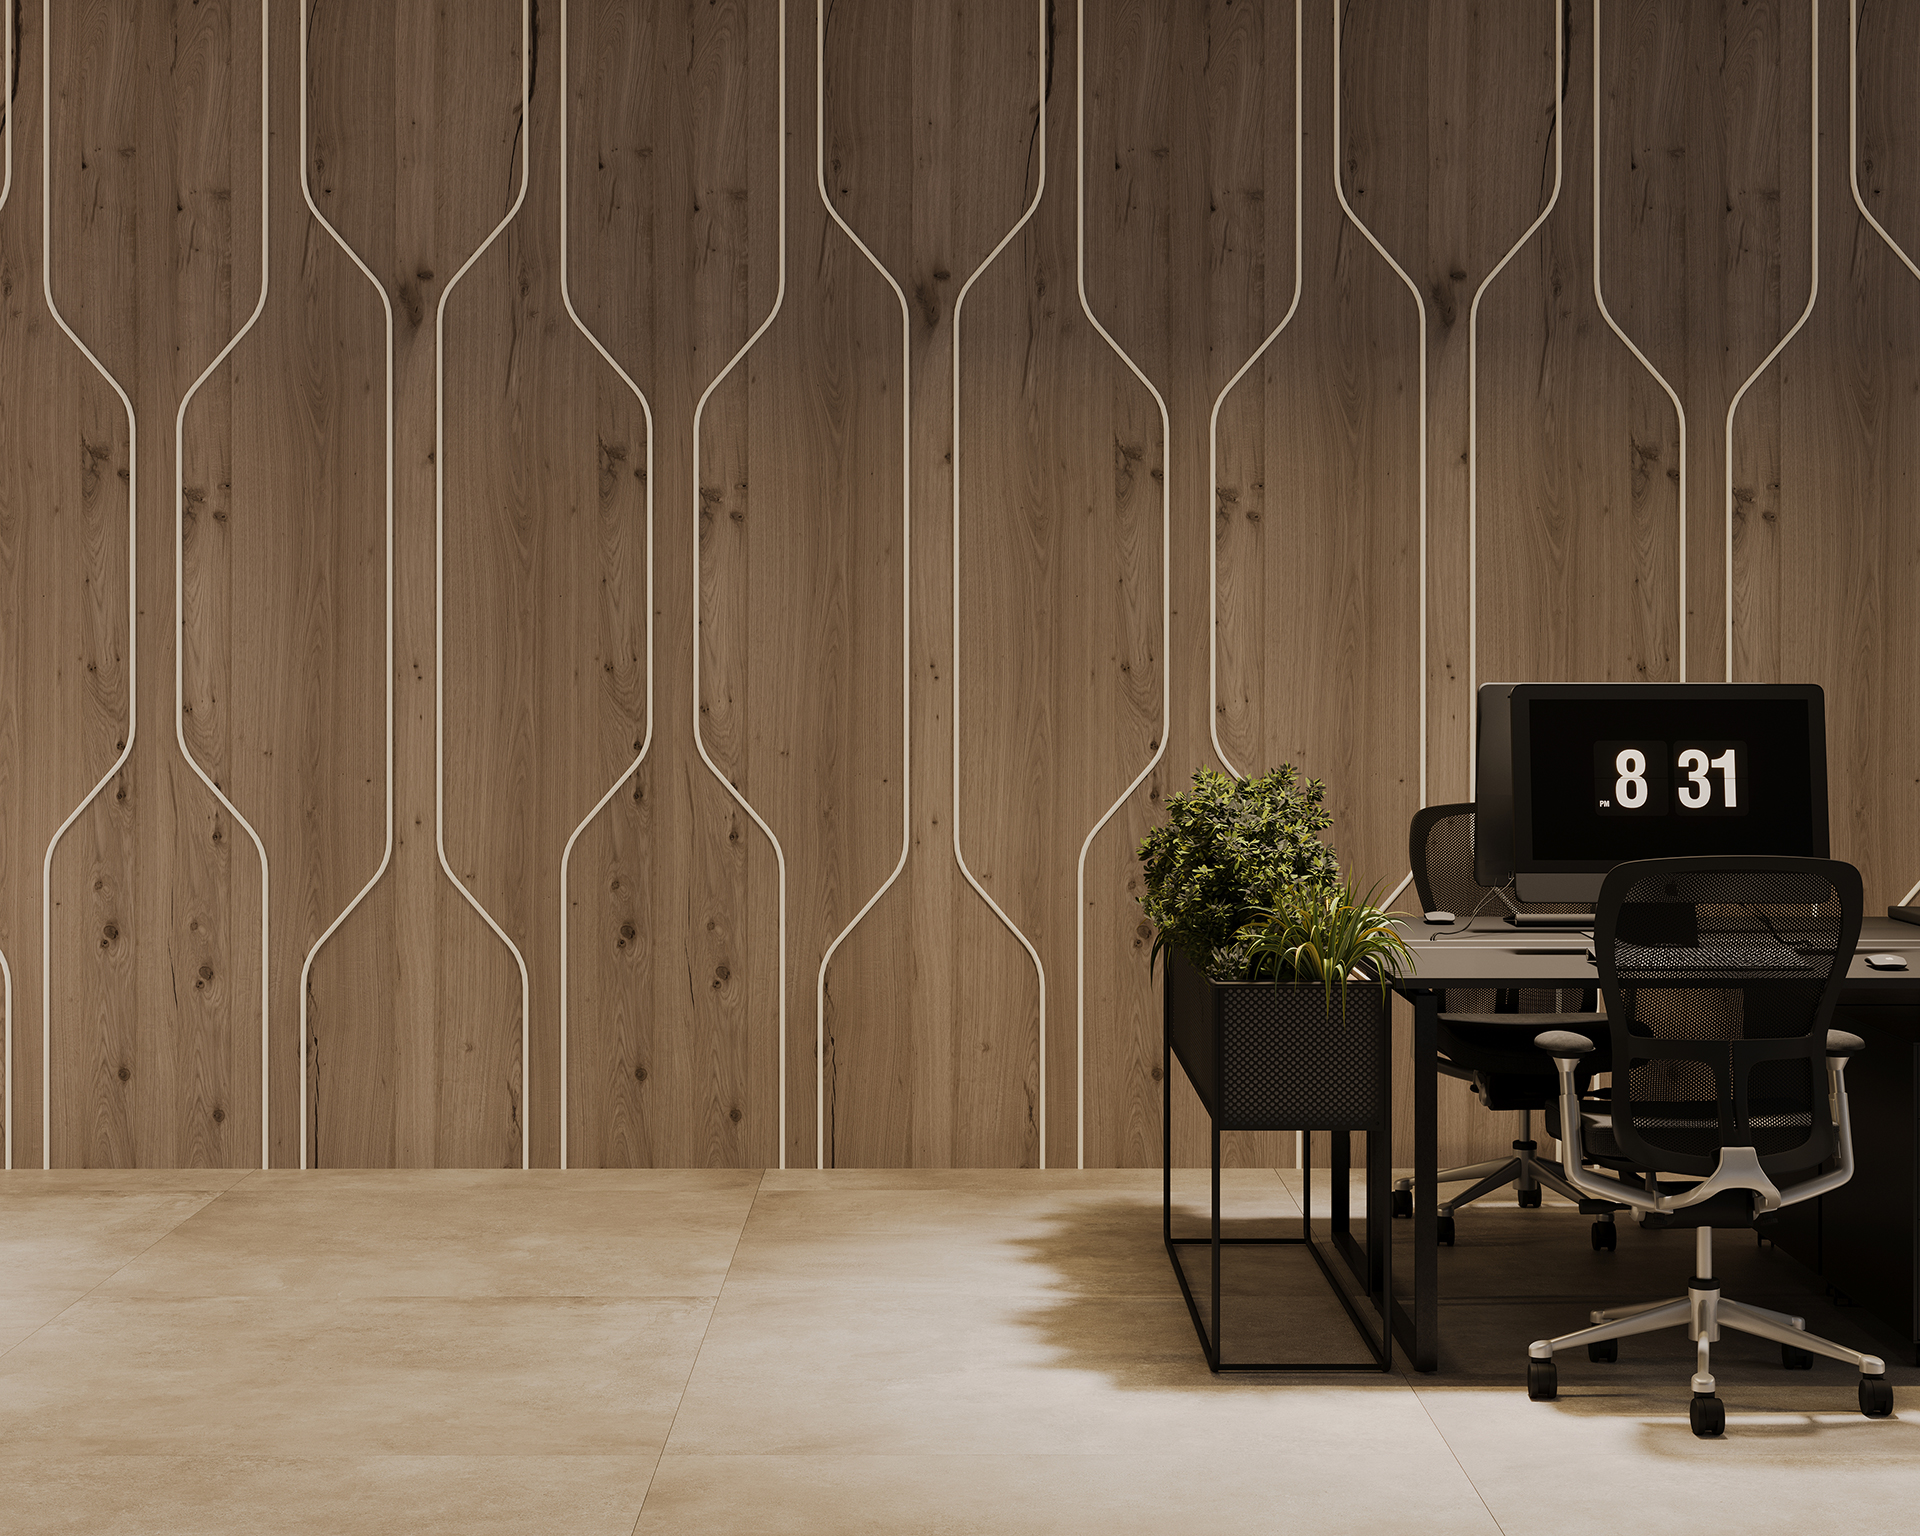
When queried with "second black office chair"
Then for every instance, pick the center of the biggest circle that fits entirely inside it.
(1486, 1038)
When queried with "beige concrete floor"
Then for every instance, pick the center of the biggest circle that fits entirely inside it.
(940, 1352)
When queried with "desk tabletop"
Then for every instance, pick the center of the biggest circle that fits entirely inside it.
(1490, 953)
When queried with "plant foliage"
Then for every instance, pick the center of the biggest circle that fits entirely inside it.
(1324, 930)
(1228, 846)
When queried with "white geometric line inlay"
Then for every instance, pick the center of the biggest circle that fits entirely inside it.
(386, 852)
(959, 304)
(179, 586)
(906, 583)
(1420, 306)
(1213, 424)
(1813, 291)
(439, 586)
(1166, 597)
(1473, 401)
(133, 597)
(699, 741)
(646, 741)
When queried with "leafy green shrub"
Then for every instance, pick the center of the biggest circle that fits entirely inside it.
(1228, 846)
(1321, 930)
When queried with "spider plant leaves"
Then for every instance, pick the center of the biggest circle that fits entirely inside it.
(1324, 930)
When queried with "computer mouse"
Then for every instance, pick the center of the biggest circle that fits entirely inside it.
(1437, 918)
(1592, 958)
(1887, 962)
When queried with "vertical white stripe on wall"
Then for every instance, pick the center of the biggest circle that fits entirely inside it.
(133, 597)
(906, 583)
(959, 306)
(1213, 422)
(1600, 298)
(1166, 599)
(6, 187)
(1555, 10)
(699, 741)
(179, 588)
(1813, 290)
(1853, 179)
(1420, 308)
(439, 585)
(646, 741)
(386, 852)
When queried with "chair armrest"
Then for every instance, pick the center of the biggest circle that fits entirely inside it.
(1840, 1043)
(1562, 1044)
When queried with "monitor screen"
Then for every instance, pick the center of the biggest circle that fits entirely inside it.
(1600, 774)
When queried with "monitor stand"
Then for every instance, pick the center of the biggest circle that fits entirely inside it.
(1559, 919)
(1904, 914)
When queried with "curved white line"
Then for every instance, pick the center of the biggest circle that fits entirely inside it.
(133, 597)
(1600, 298)
(906, 583)
(1213, 424)
(6, 187)
(959, 304)
(1473, 400)
(179, 583)
(779, 854)
(439, 584)
(1853, 177)
(1813, 292)
(1166, 593)
(646, 741)
(1420, 305)
(386, 853)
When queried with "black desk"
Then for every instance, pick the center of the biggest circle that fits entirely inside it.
(1491, 954)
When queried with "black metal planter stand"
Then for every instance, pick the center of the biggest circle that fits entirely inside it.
(1197, 1028)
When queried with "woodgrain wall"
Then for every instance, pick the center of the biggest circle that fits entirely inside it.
(819, 536)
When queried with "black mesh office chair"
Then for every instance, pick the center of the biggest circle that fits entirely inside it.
(1486, 1037)
(1720, 977)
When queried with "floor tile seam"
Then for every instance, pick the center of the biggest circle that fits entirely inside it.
(1420, 1398)
(666, 1440)
(121, 1269)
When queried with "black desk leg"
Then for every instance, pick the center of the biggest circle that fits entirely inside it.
(1340, 1150)
(1379, 1222)
(1425, 1350)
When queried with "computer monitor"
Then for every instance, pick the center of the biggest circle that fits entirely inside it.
(1575, 778)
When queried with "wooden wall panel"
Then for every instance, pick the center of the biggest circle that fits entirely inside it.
(792, 529)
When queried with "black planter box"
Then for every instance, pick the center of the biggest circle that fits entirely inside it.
(1270, 1057)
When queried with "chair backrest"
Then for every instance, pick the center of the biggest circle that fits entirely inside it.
(1720, 977)
(1440, 854)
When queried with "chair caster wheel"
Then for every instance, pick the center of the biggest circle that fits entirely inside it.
(1543, 1381)
(1876, 1397)
(1529, 1199)
(1707, 1416)
(1443, 1230)
(1794, 1359)
(1402, 1203)
(1605, 1352)
(1605, 1236)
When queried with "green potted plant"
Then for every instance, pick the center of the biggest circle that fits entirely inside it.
(1276, 996)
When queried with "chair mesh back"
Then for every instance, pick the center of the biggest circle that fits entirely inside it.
(1440, 854)
(1720, 976)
